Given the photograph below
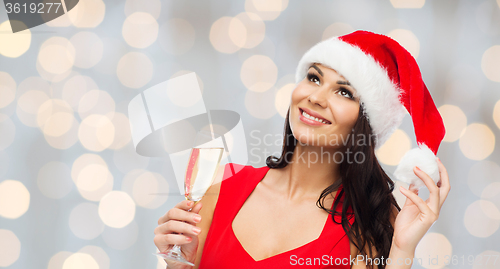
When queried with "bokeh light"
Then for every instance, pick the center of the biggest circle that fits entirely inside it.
(259, 73)
(481, 175)
(134, 70)
(87, 14)
(336, 29)
(80, 260)
(454, 120)
(7, 131)
(283, 97)
(261, 104)
(407, 39)
(14, 199)
(117, 209)
(153, 7)
(148, 189)
(66, 140)
(96, 132)
(13, 45)
(10, 247)
(408, 4)
(54, 180)
(57, 260)
(88, 49)
(127, 159)
(490, 63)
(176, 36)
(496, 114)
(122, 130)
(228, 35)
(96, 102)
(266, 9)
(140, 30)
(478, 222)
(84, 221)
(75, 88)
(477, 142)
(437, 247)
(99, 255)
(81, 164)
(394, 148)
(7, 89)
(255, 29)
(55, 117)
(122, 238)
(57, 55)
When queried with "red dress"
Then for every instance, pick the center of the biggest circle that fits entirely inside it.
(222, 249)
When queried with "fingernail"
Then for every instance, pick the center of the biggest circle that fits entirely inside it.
(190, 203)
(188, 239)
(418, 168)
(196, 230)
(439, 160)
(197, 218)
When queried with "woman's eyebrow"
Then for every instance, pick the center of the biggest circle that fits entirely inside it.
(343, 82)
(317, 69)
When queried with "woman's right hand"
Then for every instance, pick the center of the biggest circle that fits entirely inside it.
(170, 226)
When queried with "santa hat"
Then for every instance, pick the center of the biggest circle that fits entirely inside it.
(388, 80)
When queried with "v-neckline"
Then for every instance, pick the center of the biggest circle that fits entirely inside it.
(282, 253)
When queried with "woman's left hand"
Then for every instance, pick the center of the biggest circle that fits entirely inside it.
(417, 215)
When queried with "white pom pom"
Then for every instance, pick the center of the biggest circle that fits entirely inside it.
(422, 157)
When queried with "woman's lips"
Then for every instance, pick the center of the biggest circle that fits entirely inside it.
(309, 121)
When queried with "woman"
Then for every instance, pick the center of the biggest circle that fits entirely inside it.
(350, 96)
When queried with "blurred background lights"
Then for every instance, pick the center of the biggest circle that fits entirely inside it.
(433, 245)
(88, 49)
(54, 180)
(84, 221)
(464, 85)
(490, 264)
(488, 17)
(228, 34)
(336, 29)
(96, 132)
(261, 104)
(407, 39)
(67, 139)
(14, 199)
(496, 114)
(134, 70)
(13, 45)
(87, 14)
(92, 177)
(394, 148)
(477, 142)
(80, 165)
(27, 106)
(57, 260)
(57, 55)
(55, 117)
(80, 261)
(122, 130)
(126, 159)
(7, 131)
(481, 175)
(259, 73)
(116, 209)
(96, 102)
(121, 238)
(454, 120)
(99, 255)
(140, 30)
(10, 247)
(255, 29)
(283, 97)
(153, 7)
(186, 97)
(7, 89)
(176, 36)
(490, 63)
(148, 189)
(75, 88)
(266, 9)
(478, 222)
(407, 3)
(492, 193)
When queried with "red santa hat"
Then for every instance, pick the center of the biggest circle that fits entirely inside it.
(388, 80)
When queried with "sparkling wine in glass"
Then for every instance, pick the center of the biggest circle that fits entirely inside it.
(200, 174)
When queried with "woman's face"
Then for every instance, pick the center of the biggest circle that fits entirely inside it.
(324, 94)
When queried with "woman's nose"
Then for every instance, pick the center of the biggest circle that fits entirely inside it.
(319, 97)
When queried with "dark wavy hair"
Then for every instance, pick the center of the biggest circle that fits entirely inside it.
(367, 189)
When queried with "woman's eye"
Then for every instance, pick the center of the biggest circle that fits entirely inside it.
(347, 93)
(312, 77)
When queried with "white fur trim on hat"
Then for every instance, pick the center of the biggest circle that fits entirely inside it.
(377, 93)
(422, 157)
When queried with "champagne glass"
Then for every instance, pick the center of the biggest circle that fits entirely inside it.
(200, 174)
